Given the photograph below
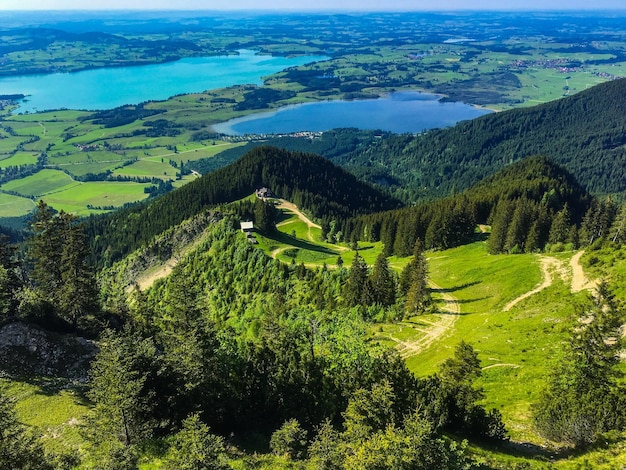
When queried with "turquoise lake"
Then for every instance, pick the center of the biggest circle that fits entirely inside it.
(111, 87)
(399, 112)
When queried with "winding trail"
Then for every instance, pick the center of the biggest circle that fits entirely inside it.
(447, 316)
(284, 204)
(550, 267)
(580, 281)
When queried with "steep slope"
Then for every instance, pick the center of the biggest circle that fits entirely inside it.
(311, 182)
(524, 198)
(585, 133)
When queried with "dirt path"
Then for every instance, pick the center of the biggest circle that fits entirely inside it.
(552, 266)
(274, 253)
(548, 265)
(294, 209)
(147, 278)
(580, 281)
(512, 366)
(435, 330)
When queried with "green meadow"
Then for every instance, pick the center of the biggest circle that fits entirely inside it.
(40, 184)
(14, 206)
(96, 196)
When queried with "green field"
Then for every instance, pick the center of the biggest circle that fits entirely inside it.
(14, 206)
(19, 158)
(56, 413)
(41, 183)
(97, 195)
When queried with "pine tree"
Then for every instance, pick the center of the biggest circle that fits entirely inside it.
(45, 248)
(560, 227)
(121, 412)
(357, 289)
(264, 216)
(383, 282)
(195, 448)
(503, 213)
(414, 282)
(585, 394)
(78, 293)
(10, 279)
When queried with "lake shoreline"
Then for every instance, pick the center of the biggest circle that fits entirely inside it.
(398, 111)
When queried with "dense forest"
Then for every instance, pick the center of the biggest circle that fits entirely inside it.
(312, 182)
(584, 133)
(235, 350)
(530, 205)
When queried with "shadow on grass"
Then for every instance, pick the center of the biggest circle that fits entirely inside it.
(523, 450)
(299, 243)
(51, 386)
(470, 301)
(448, 290)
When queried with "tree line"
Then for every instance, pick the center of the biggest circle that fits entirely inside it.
(530, 205)
(312, 182)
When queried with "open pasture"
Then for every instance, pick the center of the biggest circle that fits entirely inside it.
(41, 183)
(19, 158)
(94, 197)
(14, 206)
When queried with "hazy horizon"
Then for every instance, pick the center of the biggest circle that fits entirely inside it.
(320, 5)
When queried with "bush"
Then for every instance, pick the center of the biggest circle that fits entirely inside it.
(289, 440)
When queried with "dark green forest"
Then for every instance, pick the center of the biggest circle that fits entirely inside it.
(237, 350)
(530, 205)
(585, 133)
(311, 182)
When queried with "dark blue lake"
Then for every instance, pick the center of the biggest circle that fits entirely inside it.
(111, 87)
(399, 112)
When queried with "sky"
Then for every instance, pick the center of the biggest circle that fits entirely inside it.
(295, 5)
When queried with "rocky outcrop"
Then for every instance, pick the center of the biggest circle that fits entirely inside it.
(29, 351)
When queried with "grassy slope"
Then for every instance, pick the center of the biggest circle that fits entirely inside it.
(517, 348)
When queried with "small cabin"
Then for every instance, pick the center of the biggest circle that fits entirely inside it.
(264, 193)
(247, 227)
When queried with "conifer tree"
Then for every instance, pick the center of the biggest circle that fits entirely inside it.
(414, 282)
(58, 251)
(357, 289)
(121, 412)
(196, 448)
(585, 394)
(264, 216)
(503, 213)
(10, 279)
(383, 282)
(560, 228)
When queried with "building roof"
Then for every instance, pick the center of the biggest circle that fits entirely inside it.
(247, 225)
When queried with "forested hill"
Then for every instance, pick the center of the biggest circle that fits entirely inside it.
(585, 133)
(529, 204)
(312, 182)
